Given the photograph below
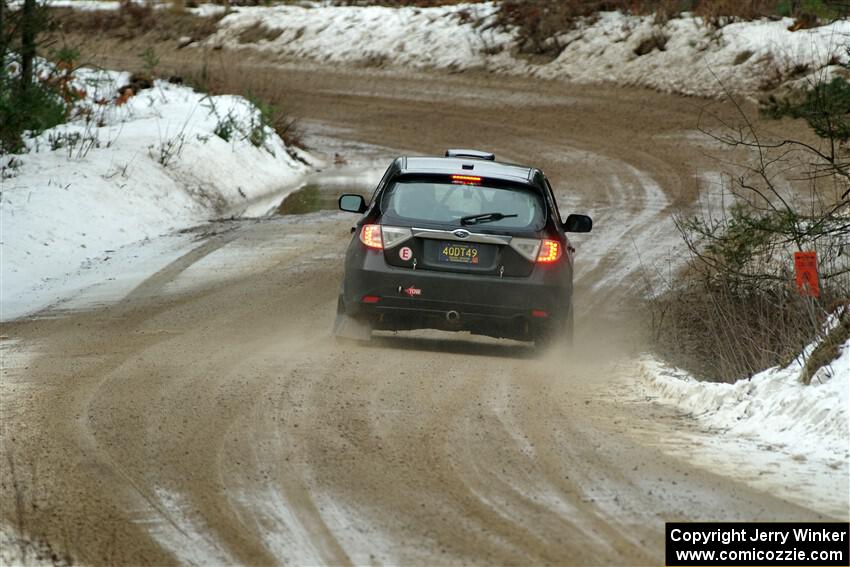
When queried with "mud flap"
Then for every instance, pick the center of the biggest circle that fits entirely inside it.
(347, 327)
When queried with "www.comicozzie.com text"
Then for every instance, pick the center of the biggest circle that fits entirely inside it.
(726, 536)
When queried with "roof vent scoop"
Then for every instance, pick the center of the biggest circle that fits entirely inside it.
(475, 154)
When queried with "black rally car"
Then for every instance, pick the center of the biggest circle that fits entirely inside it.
(460, 242)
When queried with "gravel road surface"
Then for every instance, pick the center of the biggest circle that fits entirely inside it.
(210, 418)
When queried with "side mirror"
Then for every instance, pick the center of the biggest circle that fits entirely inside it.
(578, 223)
(352, 203)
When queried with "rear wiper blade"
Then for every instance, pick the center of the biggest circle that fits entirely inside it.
(484, 217)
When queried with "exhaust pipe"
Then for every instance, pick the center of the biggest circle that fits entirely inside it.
(452, 316)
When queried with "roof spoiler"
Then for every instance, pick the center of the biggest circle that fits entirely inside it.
(475, 154)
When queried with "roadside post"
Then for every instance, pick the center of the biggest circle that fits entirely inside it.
(806, 269)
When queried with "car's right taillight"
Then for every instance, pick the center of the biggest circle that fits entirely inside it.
(370, 235)
(550, 251)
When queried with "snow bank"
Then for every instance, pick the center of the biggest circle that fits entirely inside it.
(773, 407)
(442, 37)
(121, 173)
(684, 55)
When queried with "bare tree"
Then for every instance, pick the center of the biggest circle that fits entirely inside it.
(736, 309)
(29, 31)
(3, 41)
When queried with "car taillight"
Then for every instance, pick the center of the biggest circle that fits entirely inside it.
(550, 251)
(370, 235)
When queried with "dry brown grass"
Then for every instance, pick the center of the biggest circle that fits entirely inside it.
(133, 20)
(718, 13)
(221, 72)
(720, 331)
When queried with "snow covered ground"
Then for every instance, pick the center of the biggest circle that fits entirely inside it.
(684, 55)
(691, 58)
(770, 423)
(773, 406)
(119, 173)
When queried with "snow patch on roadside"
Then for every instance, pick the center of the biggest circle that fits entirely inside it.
(107, 278)
(122, 173)
(683, 55)
(773, 406)
(768, 424)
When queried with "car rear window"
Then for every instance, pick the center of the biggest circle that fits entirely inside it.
(446, 203)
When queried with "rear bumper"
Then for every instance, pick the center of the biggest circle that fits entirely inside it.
(487, 305)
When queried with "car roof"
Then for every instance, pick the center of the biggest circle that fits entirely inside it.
(466, 166)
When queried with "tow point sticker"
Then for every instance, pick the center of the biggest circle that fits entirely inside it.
(405, 253)
(413, 291)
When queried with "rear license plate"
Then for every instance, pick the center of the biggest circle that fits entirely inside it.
(459, 253)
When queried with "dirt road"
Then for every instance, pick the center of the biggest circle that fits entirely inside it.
(209, 417)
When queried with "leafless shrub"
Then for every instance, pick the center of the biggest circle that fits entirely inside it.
(721, 329)
(140, 16)
(736, 309)
(222, 73)
(168, 149)
(288, 129)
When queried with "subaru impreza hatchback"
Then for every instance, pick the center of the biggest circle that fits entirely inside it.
(459, 243)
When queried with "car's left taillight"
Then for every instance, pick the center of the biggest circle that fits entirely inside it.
(370, 235)
(550, 251)
(377, 236)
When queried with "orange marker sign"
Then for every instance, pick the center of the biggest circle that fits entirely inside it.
(806, 266)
